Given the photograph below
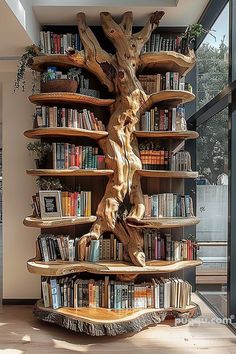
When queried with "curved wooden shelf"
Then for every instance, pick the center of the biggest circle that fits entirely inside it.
(58, 222)
(167, 61)
(167, 174)
(162, 223)
(182, 135)
(39, 133)
(176, 96)
(41, 62)
(69, 98)
(102, 321)
(59, 267)
(69, 172)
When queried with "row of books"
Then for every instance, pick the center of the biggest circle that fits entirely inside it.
(168, 205)
(69, 204)
(54, 43)
(167, 81)
(67, 155)
(158, 43)
(181, 161)
(162, 119)
(157, 159)
(53, 247)
(72, 291)
(159, 246)
(67, 117)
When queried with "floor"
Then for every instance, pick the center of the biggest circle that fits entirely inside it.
(21, 333)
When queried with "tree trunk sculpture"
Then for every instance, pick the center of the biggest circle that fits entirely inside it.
(123, 198)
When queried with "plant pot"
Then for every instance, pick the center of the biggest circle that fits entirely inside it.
(59, 85)
(40, 163)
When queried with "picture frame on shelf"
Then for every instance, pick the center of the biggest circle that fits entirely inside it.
(50, 204)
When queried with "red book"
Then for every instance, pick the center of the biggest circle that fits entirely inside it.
(169, 119)
(189, 250)
(58, 44)
(55, 43)
(72, 155)
(163, 253)
(77, 156)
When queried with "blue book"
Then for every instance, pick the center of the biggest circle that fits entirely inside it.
(94, 251)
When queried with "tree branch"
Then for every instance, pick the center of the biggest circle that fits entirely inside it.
(144, 34)
(127, 23)
(98, 61)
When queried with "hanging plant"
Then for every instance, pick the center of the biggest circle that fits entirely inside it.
(39, 152)
(25, 62)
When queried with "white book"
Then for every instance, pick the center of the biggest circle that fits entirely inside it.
(71, 249)
(173, 119)
(42, 42)
(45, 291)
(48, 43)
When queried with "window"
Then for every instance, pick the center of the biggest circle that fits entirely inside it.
(212, 60)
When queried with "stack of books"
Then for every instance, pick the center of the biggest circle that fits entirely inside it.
(54, 43)
(71, 291)
(181, 161)
(158, 43)
(66, 117)
(160, 82)
(159, 246)
(168, 205)
(67, 155)
(154, 159)
(84, 87)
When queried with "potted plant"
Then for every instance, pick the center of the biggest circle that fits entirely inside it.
(39, 152)
(54, 81)
(191, 34)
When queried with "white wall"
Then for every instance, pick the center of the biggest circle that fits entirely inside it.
(18, 240)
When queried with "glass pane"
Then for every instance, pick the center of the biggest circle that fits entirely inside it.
(212, 209)
(213, 60)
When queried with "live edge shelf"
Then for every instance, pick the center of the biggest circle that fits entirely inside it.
(69, 98)
(69, 172)
(160, 61)
(31, 221)
(59, 268)
(39, 133)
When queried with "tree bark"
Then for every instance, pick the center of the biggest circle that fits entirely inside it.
(120, 147)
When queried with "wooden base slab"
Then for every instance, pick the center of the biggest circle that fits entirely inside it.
(167, 174)
(59, 267)
(100, 321)
(179, 135)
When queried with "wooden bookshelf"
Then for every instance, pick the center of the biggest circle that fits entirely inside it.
(119, 74)
(69, 172)
(166, 61)
(162, 223)
(59, 267)
(167, 174)
(179, 135)
(101, 321)
(175, 96)
(69, 98)
(39, 133)
(31, 221)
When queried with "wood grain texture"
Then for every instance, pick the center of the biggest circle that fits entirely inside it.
(41, 62)
(57, 222)
(167, 61)
(181, 135)
(167, 174)
(39, 133)
(59, 267)
(162, 223)
(69, 172)
(69, 98)
(101, 321)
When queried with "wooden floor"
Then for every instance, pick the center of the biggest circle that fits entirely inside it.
(21, 333)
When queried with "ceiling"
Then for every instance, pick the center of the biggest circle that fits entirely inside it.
(21, 19)
(177, 13)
